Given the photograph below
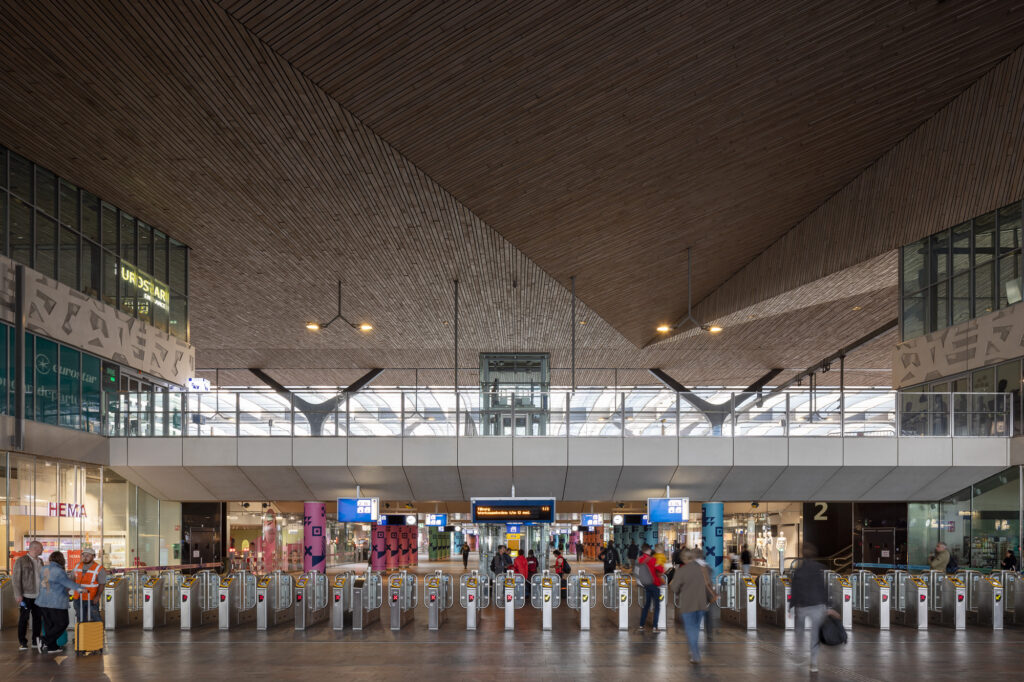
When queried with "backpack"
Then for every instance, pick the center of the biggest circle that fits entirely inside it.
(952, 567)
(566, 568)
(832, 632)
(643, 574)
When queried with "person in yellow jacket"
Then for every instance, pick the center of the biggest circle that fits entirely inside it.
(90, 575)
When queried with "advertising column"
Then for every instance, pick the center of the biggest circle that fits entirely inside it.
(712, 532)
(268, 543)
(314, 540)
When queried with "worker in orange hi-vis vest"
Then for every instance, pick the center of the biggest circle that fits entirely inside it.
(90, 575)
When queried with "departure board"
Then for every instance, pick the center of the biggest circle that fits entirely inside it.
(436, 520)
(592, 520)
(668, 509)
(358, 510)
(513, 510)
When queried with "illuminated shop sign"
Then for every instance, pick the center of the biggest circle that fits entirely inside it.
(148, 288)
(66, 510)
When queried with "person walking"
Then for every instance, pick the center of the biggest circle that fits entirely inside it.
(693, 586)
(940, 560)
(465, 556)
(810, 598)
(90, 574)
(25, 583)
(579, 550)
(54, 586)
(632, 553)
(652, 584)
(745, 560)
(1009, 561)
(609, 556)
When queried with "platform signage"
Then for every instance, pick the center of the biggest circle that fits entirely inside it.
(592, 520)
(513, 510)
(436, 520)
(668, 509)
(358, 509)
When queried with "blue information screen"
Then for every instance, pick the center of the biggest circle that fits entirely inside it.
(513, 510)
(436, 520)
(358, 509)
(592, 520)
(668, 509)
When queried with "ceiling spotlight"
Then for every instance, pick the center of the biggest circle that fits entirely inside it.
(712, 328)
(317, 326)
(857, 307)
(583, 322)
(664, 328)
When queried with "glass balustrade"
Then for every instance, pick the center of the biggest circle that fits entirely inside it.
(588, 412)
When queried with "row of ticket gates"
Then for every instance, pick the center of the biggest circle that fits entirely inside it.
(356, 601)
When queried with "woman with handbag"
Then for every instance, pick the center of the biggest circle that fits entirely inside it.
(695, 592)
(53, 601)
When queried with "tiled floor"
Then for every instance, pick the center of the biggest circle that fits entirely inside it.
(490, 653)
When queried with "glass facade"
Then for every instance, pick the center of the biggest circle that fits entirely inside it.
(70, 235)
(974, 398)
(963, 272)
(66, 506)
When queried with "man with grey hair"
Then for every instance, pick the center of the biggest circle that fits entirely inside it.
(25, 581)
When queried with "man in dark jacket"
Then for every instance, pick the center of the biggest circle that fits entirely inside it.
(610, 557)
(810, 598)
(501, 561)
(632, 552)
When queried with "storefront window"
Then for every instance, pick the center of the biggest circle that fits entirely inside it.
(955, 525)
(21, 512)
(995, 521)
(922, 533)
(70, 387)
(46, 367)
(115, 519)
(148, 537)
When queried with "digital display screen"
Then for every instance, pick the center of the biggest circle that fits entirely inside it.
(592, 520)
(630, 520)
(395, 520)
(668, 509)
(358, 509)
(513, 510)
(436, 520)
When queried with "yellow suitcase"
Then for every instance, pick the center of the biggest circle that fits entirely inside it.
(89, 636)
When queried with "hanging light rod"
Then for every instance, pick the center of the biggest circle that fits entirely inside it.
(317, 326)
(710, 328)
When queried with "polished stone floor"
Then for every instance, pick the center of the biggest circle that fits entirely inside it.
(491, 653)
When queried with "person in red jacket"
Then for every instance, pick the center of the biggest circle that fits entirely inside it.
(652, 590)
(521, 566)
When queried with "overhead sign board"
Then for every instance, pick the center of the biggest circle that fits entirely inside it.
(668, 509)
(592, 520)
(630, 520)
(436, 520)
(358, 509)
(513, 510)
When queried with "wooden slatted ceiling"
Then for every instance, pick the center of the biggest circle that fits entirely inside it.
(175, 112)
(603, 138)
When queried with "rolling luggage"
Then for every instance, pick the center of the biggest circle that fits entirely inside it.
(89, 636)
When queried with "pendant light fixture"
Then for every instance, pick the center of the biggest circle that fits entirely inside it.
(317, 326)
(709, 328)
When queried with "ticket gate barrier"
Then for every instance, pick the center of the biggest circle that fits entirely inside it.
(1013, 596)
(947, 598)
(909, 599)
(341, 600)
(275, 594)
(161, 600)
(199, 599)
(872, 599)
(403, 597)
(512, 590)
(367, 598)
(737, 597)
(311, 605)
(440, 596)
(774, 595)
(546, 595)
(474, 595)
(580, 595)
(984, 599)
(8, 608)
(122, 600)
(618, 597)
(236, 599)
(840, 596)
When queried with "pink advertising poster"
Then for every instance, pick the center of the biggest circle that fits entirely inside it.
(314, 540)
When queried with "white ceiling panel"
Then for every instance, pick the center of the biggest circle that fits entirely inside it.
(278, 483)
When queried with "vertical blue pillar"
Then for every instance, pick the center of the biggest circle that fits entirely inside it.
(712, 534)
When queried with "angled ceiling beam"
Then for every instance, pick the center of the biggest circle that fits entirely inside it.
(758, 385)
(825, 362)
(363, 381)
